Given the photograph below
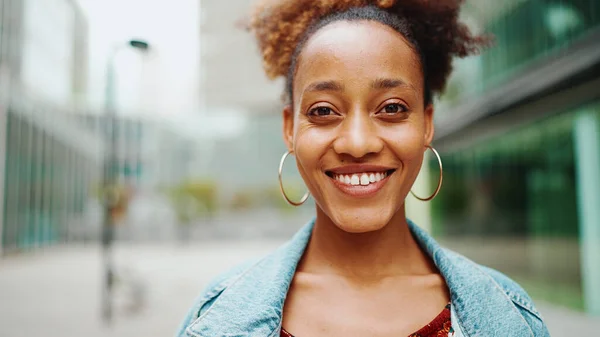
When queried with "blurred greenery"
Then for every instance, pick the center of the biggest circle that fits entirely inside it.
(294, 191)
(243, 199)
(120, 196)
(194, 199)
(267, 197)
(566, 295)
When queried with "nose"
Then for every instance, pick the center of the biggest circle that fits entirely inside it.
(358, 136)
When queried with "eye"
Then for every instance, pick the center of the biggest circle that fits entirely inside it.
(393, 108)
(321, 111)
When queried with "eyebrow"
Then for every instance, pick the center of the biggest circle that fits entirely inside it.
(378, 84)
(325, 86)
(388, 83)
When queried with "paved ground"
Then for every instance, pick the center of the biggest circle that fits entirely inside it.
(57, 292)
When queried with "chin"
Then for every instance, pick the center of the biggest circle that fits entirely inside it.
(361, 220)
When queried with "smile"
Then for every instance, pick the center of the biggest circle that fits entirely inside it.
(360, 181)
(363, 179)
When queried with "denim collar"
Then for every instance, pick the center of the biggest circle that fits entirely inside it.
(252, 305)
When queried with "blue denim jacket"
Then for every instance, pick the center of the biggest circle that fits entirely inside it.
(248, 300)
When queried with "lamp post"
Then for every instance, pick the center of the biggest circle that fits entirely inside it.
(110, 195)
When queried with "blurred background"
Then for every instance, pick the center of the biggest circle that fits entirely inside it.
(160, 109)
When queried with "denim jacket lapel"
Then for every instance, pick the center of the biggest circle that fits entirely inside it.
(481, 306)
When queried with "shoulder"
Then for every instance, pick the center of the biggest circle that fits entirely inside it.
(521, 300)
(513, 292)
(212, 291)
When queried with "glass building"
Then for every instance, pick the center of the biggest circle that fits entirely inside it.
(47, 162)
(519, 135)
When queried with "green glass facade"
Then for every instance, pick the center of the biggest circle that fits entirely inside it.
(47, 183)
(518, 189)
(48, 163)
(512, 196)
(534, 30)
(525, 34)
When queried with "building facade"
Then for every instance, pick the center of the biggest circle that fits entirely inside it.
(150, 153)
(47, 161)
(519, 134)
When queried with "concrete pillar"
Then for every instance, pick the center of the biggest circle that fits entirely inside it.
(3, 134)
(3, 118)
(587, 162)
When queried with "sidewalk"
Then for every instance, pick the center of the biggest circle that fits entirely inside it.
(57, 293)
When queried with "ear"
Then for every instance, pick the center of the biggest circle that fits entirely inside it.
(288, 127)
(429, 127)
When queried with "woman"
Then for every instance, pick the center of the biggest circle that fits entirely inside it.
(361, 77)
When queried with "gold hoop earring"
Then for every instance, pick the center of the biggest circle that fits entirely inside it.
(439, 186)
(291, 202)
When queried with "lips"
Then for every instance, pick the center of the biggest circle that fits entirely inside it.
(360, 180)
(359, 168)
(363, 179)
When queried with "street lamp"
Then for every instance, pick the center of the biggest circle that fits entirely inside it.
(140, 44)
(110, 195)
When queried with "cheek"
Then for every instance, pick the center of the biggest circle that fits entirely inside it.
(310, 143)
(407, 144)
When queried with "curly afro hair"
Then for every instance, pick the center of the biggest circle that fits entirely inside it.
(282, 27)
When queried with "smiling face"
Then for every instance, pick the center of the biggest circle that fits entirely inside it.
(359, 126)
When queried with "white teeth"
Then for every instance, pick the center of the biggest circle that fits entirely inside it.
(363, 179)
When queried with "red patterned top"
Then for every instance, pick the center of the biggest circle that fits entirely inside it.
(439, 327)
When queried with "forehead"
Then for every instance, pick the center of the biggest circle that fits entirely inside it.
(357, 52)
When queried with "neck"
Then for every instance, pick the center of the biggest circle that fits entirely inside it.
(389, 251)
